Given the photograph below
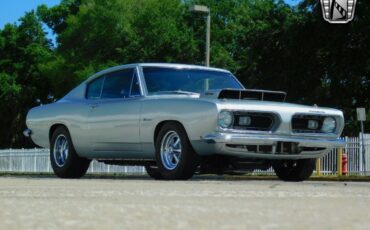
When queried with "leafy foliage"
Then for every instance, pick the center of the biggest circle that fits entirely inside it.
(22, 82)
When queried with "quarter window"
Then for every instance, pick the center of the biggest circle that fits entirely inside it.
(118, 84)
(94, 88)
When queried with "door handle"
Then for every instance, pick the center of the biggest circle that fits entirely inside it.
(93, 106)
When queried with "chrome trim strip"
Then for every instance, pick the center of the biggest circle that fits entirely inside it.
(271, 140)
(170, 65)
(140, 75)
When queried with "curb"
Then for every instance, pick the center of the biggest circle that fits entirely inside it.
(196, 177)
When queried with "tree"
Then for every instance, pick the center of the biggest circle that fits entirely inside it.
(343, 53)
(105, 33)
(23, 49)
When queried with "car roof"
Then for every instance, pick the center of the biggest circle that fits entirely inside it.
(169, 65)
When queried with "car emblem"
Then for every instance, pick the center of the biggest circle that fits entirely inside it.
(338, 11)
(316, 111)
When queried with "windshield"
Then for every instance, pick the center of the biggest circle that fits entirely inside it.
(171, 80)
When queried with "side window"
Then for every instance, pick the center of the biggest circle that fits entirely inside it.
(118, 84)
(94, 88)
(135, 87)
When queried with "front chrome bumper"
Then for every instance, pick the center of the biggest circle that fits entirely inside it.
(221, 145)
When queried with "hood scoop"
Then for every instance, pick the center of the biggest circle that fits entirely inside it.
(248, 94)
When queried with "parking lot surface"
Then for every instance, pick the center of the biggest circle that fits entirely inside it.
(141, 203)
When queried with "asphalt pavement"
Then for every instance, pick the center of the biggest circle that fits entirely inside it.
(141, 203)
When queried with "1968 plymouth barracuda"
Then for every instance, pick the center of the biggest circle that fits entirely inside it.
(177, 120)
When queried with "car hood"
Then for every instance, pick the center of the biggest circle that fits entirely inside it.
(262, 100)
(253, 105)
(246, 94)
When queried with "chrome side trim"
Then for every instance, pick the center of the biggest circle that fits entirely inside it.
(165, 65)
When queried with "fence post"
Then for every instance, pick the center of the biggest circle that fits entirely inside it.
(339, 161)
(10, 161)
(318, 167)
(34, 163)
(48, 164)
(22, 160)
(366, 147)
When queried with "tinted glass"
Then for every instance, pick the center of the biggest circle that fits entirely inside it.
(117, 84)
(135, 88)
(94, 88)
(159, 79)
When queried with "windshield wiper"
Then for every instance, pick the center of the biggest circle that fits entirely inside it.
(174, 92)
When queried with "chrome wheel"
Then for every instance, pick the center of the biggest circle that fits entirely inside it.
(170, 150)
(60, 150)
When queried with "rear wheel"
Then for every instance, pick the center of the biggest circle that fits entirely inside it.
(294, 170)
(153, 172)
(63, 157)
(175, 156)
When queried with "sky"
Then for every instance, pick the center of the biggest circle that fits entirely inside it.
(12, 10)
(292, 2)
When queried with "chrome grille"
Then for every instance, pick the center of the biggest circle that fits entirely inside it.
(300, 123)
(280, 148)
(258, 121)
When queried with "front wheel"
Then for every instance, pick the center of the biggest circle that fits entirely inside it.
(294, 170)
(175, 156)
(63, 157)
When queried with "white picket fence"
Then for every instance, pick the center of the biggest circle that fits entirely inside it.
(353, 149)
(37, 161)
(356, 158)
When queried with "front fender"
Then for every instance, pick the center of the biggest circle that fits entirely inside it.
(197, 117)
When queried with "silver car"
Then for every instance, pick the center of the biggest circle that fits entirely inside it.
(177, 120)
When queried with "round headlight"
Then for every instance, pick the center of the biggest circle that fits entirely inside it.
(225, 119)
(328, 126)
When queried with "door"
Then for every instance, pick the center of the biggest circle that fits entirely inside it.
(114, 118)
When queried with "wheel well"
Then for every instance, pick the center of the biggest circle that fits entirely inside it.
(53, 128)
(160, 125)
